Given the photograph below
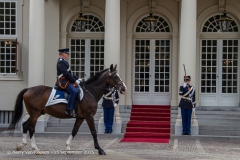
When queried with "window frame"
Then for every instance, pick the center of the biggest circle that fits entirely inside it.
(18, 34)
(16, 21)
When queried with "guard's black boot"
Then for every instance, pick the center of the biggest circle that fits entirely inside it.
(70, 113)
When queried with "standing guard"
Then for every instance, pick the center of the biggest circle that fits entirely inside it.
(66, 80)
(187, 104)
(110, 101)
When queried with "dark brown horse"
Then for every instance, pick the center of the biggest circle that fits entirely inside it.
(36, 97)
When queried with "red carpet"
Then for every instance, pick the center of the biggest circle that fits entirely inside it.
(148, 123)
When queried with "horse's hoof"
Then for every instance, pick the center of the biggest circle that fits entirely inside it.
(38, 152)
(68, 148)
(101, 152)
(19, 147)
(69, 152)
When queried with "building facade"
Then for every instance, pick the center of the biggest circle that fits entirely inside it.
(150, 63)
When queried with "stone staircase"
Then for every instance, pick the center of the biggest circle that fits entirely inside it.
(217, 122)
(66, 125)
(212, 121)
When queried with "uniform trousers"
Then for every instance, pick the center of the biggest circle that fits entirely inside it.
(186, 120)
(72, 91)
(108, 118)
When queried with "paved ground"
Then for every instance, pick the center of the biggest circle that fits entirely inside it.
(179, 148)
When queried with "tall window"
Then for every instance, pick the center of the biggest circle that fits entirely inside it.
(8, 35)
(87, 54)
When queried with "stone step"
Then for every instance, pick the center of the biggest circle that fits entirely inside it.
(219, 133)
(65, 124)
(237, 113)
(213, 108)
(66, 129)
(219, 128)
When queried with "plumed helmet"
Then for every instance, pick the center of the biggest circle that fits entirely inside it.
(187, 78)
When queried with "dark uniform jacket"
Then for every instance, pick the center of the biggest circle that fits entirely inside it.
(188, 100)
(64, 71)
(108, 102)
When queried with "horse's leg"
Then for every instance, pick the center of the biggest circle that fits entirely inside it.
(33, 121)
(25, 127)
(77, 124)
(91, 125)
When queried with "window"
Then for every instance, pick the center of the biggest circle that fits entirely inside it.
(211, 25)
(7, 57)
(94, 24)
(161, 25)
(87, 54)
(8, 36)
(8, 18)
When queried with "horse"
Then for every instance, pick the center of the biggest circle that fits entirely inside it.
(36, 97)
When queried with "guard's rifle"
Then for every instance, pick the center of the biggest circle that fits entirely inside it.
(184, 72)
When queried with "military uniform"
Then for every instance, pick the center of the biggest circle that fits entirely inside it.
(110, 100)
(187, 103)
(66, 80)
(64, 73)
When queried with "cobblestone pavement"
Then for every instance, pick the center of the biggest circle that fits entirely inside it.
(179, 148)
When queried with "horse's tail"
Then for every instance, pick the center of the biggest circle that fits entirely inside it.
(18, 110)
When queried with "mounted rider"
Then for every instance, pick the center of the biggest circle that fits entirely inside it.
(66, 80)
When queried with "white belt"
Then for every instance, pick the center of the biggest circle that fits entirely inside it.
(108, 98)
(190, 99)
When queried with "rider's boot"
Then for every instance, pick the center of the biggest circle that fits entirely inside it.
(70, 113)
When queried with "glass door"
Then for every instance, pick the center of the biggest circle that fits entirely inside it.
(151, 72)
(87, 57)
(219, 73)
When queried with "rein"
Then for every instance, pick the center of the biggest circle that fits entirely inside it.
(88, 92)
(93, 87)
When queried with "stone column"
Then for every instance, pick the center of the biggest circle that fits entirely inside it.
(187, 54)
(112, 52)
(36, 52)
(36, 43)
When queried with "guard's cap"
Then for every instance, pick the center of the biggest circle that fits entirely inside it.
(65, 50)
(187, 78)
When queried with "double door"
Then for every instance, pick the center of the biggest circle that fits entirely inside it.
(219, 84)
(151, 79)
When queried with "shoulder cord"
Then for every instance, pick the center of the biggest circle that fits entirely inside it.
(106, 95)
(184, 96)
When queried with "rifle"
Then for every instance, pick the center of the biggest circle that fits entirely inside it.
(184, 71)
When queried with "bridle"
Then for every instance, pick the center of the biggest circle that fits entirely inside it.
(117, 84)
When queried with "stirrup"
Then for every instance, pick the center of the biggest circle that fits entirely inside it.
(70, 113)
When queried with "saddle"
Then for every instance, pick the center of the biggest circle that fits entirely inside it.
(59, 95)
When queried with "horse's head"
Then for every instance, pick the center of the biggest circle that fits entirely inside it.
(116, 81)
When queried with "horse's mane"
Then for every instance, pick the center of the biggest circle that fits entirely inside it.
(95, 77)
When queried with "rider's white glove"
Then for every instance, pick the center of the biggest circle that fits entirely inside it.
(184, 85)
(193, 109)
(115, 104)
(77, 82)
(80, 79)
